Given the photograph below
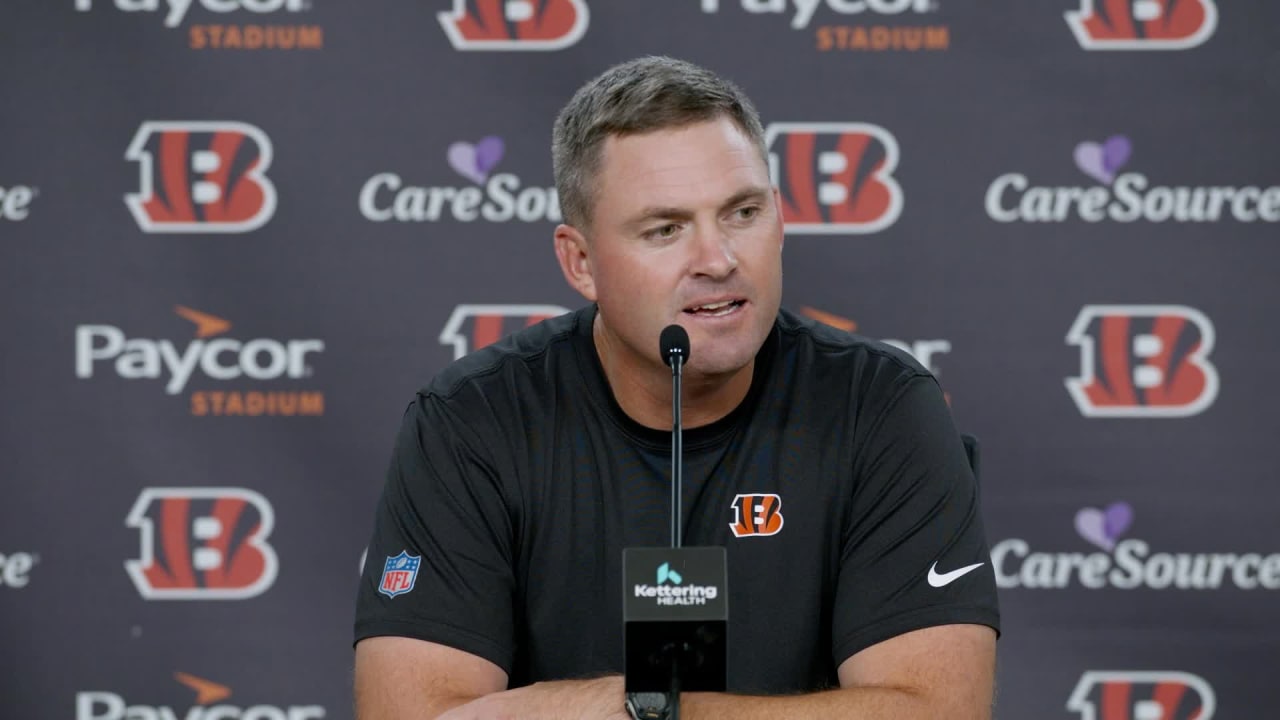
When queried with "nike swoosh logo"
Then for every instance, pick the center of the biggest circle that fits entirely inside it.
(944, 579)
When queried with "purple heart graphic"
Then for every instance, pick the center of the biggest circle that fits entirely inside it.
(1115, 153)
(474, 162)
(1101, 161)
(1089, 158)
(1092, 527)
(1104, 527)
(1118, 517)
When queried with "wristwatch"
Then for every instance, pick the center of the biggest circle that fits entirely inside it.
(647, 705)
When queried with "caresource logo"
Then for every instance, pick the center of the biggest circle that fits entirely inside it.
(835, 178)
(15, 569)
(471, 327)
(223, 36)
(507, 25)
(491, 197)
(201, 177)
(202, 544)
(1142, 695)
(15, 202)
(105, 705)
(220, 359)
(1124, 196)
(1127, 563)
(880, 27)
(1142, 361)
(1143, 24)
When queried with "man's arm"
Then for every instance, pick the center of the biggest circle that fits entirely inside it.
(947, 671)
(397, 677)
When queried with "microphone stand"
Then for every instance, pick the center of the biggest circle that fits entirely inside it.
(677, 453)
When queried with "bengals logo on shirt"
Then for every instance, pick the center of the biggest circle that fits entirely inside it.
(834, 178)
(1159, 695)
(515, 24)
(1143, 24)
(201, 177)
(756, 515)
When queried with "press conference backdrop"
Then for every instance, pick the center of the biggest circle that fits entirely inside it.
(238, 234)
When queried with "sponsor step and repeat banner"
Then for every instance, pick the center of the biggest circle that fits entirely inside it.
(238, 234)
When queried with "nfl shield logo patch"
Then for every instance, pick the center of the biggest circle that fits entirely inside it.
(399, 574)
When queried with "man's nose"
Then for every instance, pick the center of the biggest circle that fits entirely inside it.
(713, 253)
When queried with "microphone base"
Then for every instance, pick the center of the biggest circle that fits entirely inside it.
(697, 647)
(675, 608)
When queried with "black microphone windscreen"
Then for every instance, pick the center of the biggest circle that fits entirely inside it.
(674, 341)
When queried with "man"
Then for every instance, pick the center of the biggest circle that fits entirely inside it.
(523, 469)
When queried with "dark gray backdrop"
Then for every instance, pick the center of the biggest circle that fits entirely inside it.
(1187, 100)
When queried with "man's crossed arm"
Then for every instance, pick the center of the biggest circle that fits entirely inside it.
(946, 671)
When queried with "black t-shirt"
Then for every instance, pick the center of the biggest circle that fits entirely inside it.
(839, 488)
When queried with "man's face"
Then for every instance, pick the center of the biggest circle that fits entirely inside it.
(685, 228)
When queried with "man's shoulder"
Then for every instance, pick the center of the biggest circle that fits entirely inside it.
(530, 355)
(819, 343)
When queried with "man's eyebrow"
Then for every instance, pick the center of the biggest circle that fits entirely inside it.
(678, 213)
(751, 193)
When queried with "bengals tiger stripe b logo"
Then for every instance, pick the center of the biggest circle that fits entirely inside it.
(834, 178)
(1143, 361)
(756, 515)
(1143, 24)
(1139, 695)
(202, 543)
(201, 177)
(472, 327)
(507, 25)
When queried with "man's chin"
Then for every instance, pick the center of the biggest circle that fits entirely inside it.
(718, 366)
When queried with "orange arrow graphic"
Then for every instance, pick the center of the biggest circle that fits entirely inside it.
(834, 321)
(207, 691)
(206, 325)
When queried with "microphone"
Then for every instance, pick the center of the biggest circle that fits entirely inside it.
(673, 343)
(675, 601)
(674, 346)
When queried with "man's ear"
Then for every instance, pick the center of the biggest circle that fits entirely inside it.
(575, 260)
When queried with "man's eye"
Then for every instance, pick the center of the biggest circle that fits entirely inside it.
(666, 232)
(748, 212)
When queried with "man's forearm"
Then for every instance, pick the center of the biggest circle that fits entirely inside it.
(602, 699)
(598, 699)
(856, 703)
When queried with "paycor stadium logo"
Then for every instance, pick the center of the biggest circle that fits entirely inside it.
(212, 33)
(855, 25)
(210, 358)
(212, 702)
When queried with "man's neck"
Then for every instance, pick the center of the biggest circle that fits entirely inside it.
(644, 391)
